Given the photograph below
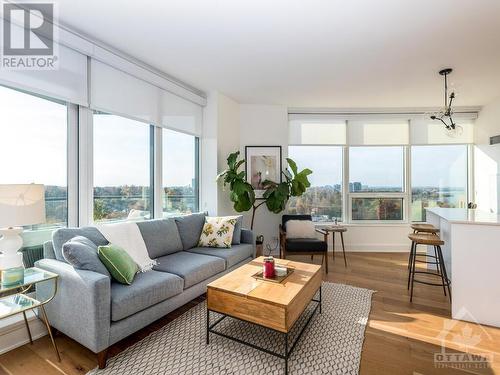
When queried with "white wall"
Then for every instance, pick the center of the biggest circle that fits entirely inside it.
(487, 158)
(221, 135)
(229, 141)
(264, 125)
(208, 155)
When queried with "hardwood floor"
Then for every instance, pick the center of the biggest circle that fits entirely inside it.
(401, 337)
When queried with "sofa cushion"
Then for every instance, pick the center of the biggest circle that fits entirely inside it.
(190, 227)
(305, 245)
(119, 263)
(218, 232)
(160, 236)
(231, 256)
(148, 289)
(237, 231)
(62, 235)
(192, 267)
(81, 253)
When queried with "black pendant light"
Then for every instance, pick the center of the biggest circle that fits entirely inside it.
(445, 116)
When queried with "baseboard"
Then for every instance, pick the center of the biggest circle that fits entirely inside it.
(384, 248)
(13, 332)
(387, 248)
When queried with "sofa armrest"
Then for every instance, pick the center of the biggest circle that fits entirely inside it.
(81, 307)
(248, 236)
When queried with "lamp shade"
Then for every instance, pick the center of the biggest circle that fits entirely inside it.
(22, 205)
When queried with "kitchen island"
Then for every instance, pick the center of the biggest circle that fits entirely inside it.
(472, 257)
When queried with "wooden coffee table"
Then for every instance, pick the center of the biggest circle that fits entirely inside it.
(276, 306)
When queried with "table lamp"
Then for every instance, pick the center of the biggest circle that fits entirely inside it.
(19, 205)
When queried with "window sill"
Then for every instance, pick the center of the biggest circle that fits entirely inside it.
(371, 224)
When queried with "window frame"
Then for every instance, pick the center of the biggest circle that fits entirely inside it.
(159, 193)
(469, 188)
(72, 124)
(367, 194)
(152, 150)
(342, 148)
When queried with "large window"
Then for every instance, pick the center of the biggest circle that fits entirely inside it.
(323, 200)
(438, 178)
(33, 148)
(122, 168)
(180, 173)
(376, 183)
(376, 169)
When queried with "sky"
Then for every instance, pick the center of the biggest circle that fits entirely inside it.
(121, 146)
(382, 166)
(121, 153)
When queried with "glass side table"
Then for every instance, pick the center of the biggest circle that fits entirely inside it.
(14, 299)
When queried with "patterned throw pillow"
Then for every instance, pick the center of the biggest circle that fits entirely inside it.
(218, 231)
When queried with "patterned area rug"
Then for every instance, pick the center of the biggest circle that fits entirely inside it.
(331, 344)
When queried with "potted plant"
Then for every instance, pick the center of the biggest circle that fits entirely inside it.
(276, 195)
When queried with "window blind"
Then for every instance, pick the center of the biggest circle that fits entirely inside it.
(316, 130)
(428, 132)
(123, 94)
(180, 114)
(379, 132)
(67, 83)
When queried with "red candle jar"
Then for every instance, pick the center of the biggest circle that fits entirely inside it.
(268, 267)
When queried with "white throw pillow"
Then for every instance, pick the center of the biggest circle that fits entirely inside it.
(218, 231)
(300, 229)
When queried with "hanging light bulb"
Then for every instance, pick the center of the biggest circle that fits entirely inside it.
(445, 115)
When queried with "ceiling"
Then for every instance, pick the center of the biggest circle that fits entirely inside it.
(317, 53)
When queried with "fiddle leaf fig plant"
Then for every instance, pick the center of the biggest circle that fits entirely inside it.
(276, 195)
(295, 184)
(242, 194)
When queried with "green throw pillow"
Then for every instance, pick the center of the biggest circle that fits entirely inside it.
(119, 264)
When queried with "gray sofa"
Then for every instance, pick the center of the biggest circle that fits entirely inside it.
(98, 312)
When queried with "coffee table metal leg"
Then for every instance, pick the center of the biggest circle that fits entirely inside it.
(208, 326)
(286, 353)
(288, 348)
(320, 298)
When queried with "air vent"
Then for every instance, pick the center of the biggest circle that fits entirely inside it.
(494, 140)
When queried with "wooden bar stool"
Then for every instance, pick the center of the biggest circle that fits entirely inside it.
(428, 239)
(421, 228)
(424, 228)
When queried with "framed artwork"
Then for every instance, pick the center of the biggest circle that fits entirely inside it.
(262, 163)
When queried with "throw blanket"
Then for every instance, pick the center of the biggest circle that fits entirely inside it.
(128, 236)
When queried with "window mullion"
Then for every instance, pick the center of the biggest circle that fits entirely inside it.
(346, 206)
(72, 165)
(86, 167)
(158, 173)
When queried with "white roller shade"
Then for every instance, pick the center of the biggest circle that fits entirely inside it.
(316, 130)
(380, 132)
(428, 132)
(120, 93)
(67, 83)
(180, 114)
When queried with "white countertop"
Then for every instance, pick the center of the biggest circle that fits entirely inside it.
(466, 216)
